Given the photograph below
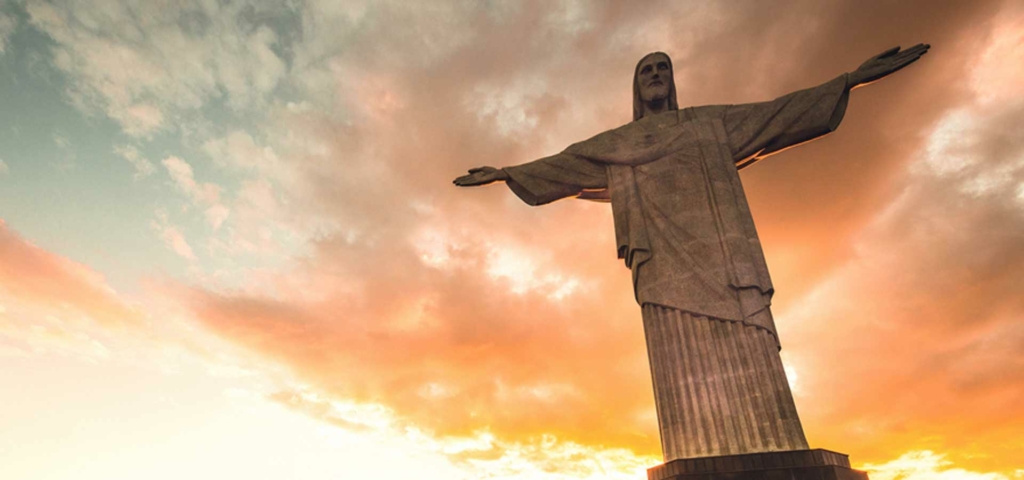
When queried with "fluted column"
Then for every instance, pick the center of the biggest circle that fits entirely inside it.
(719, 387)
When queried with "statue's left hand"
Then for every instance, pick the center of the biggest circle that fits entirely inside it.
(886, 63)
(481, 176)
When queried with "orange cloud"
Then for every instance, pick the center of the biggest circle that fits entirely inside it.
(35, 276)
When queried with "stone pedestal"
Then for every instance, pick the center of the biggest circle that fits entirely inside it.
(814, 464)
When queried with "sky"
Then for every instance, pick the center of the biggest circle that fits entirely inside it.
(230, 246)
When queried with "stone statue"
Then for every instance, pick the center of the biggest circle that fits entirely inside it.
(683, 227)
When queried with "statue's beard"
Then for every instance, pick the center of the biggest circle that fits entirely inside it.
(656, 94)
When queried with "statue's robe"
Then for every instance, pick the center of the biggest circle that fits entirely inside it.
(683, 226)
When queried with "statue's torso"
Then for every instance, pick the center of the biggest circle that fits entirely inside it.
(686, 253)
(686, 215)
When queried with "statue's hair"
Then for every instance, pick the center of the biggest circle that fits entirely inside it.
(638, 102)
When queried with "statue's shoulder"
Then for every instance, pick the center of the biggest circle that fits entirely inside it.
(644, 127)
(707, 112)
(677, 118)
(652, 123)
(621, 132)
(646, 138)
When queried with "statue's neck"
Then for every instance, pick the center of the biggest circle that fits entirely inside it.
(655, 107)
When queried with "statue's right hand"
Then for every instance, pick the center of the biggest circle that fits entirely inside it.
(481, 176)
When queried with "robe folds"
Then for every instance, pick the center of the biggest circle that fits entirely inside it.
(682, 223)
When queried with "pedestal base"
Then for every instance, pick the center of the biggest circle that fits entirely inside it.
(814, 464)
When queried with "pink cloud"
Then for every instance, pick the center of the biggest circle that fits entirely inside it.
(30, 274)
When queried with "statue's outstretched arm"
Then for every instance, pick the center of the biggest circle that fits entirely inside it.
(757, 130)
(545, 180)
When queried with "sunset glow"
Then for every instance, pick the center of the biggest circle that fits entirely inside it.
(230, 246)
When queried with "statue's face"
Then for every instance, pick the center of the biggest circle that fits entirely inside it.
(655, 78)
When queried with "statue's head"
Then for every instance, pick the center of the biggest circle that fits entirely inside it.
(653, 83)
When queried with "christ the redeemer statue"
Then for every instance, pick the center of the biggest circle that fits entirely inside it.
(683, 227)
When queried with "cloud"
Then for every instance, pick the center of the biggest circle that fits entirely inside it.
(239, 150)
(925, 465)
(143, 167)
(35, 276)
(147, 68)
(479, 454)
(172, 237)
(351, 417)
(4, 169)
(7, 27)
(140, 119)
(181, 172)
(176, 241)
(204, 195)
(449, 371)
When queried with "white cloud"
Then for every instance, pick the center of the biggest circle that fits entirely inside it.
(523, 273)
(925, 465)
(4, 169)
(977, 149)
(143, 167)
(177, 242)
(141, 119)
(145, 65)
(31, 329)
(996, 77)
(7, 26)
(240, 151)
(181, 172)
(172, 237)
(205, 195)
(268, 213)
(216, 215)
(481, 454)
(508, 105)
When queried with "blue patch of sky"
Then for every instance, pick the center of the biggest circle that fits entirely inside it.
(68, 191)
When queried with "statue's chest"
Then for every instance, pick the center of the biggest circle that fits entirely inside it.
(676, 184)
(680, 166)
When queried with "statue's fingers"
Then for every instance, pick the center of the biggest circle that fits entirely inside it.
(469, 180)
(916, 51)
(908, 61)
(888, 53)
(909, 54)
(919, 49)
(903, 57)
